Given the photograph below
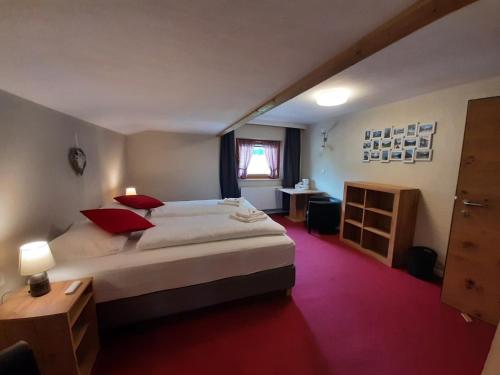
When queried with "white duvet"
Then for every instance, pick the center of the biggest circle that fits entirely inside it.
(173, 231)
(200, 207)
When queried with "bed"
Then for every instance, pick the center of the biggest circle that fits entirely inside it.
(135, 284)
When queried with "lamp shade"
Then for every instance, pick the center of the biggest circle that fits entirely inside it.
(35, 257)
(130, 191)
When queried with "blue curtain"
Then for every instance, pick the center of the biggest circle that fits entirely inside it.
(227, 167)
(291, 162)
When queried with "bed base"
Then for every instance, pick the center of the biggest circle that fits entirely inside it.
(124, 311)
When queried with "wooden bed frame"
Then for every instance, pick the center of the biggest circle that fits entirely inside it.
(124, 311)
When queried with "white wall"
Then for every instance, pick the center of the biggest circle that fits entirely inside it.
(174, 166)
(40, 195)
(341, 161)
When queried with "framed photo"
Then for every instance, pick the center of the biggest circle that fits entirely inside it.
(397, 143)
(386, 143)
(423, 155)
(376, 144)
(411, 130)
(367, 145)
(385, 156)
(410, 142)
(368, 135)
(427, 128)
(376, 134)
(375, 155)
(409, 155)
(366, 156)
(387, 133)
(398, 131)
(397, 155)
(424, 141)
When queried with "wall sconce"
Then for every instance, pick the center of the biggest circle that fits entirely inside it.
(324, 135)
(130, 191)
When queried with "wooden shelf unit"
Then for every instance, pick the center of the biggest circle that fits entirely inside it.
(379, 220)
(61, 329)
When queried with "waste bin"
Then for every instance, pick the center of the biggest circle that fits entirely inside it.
(421, 261)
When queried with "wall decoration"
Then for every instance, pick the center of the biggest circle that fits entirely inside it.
(426, 128)
(368, 135)
(398, 131)
(385, 156)
(409, 155)
(410, 142)
(396, 155)
(386, 143)
(78, 160)
(423, 155)
(424, 141)
(411, 130)
(375, 155)
(397, 143)
(387, 133)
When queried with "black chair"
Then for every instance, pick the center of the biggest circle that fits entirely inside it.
(18, 359)
(323, 214)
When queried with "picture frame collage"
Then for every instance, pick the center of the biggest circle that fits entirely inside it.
(408, 144)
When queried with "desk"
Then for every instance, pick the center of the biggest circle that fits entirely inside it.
(298, 203)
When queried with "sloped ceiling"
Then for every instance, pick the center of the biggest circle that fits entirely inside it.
(185, 66)
(459, 48)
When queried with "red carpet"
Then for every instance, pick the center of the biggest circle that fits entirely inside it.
(349, 315)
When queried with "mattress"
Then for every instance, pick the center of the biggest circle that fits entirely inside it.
(133, 272)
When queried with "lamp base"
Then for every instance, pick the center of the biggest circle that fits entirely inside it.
(39, 284)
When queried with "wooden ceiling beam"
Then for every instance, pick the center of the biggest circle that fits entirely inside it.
(418, 15)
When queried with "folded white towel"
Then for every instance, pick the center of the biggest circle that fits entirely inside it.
(250, 213)
(250, 219)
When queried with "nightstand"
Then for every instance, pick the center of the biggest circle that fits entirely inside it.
(61, 329)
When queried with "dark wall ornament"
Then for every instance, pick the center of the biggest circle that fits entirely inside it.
(78, 160)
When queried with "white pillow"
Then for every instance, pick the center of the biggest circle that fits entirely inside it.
(138, 211)
(86, 240)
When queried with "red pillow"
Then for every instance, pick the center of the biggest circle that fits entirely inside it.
(116, 220)
(139, 201)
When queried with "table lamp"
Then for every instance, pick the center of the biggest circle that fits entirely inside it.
(130, 191)
(35, 259)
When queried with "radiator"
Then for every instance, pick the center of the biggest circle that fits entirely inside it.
(263, 197)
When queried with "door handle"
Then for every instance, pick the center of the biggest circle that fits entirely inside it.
(474, 204)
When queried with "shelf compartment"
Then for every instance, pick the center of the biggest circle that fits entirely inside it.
(376, 243)
(81, 325)
(359, 224)
(355, 195)
(379, 211)
(380, 199)
(358, 205)
(354, 213)
(352, 232)
(378, 232)
(377, 221)
(80, 305)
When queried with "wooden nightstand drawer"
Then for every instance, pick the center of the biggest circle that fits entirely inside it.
(61, 329)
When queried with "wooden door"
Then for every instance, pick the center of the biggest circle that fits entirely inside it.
(472, 274)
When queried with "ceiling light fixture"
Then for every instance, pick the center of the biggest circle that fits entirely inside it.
(330, 98)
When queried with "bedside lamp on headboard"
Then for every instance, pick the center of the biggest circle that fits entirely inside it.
(130, 191)
(35, 258)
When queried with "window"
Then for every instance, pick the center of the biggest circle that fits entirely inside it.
(258, 159)
(258, 163)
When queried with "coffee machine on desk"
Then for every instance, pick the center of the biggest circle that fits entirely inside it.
(303, 185)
